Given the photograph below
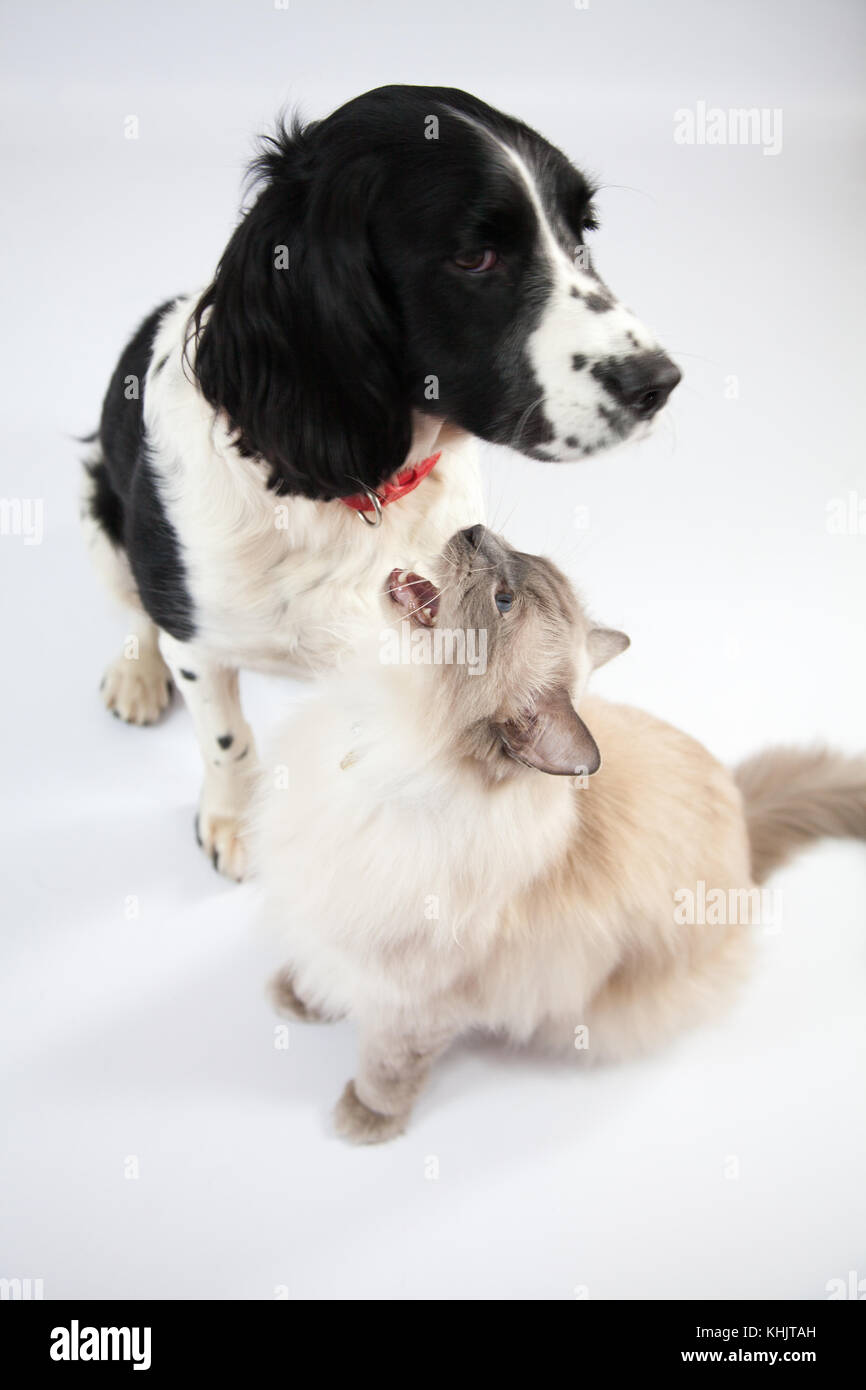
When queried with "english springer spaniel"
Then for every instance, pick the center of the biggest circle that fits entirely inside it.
(411, 275)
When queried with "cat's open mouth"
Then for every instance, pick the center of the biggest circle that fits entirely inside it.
(418, 597)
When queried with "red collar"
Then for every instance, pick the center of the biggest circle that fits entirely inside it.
(404, 482)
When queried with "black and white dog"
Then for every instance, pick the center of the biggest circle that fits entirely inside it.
(411, 275)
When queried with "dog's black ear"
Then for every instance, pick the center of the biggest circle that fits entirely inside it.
(296, 339)
(552, 737)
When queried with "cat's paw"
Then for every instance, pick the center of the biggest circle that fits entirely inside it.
(137, 691)
(359, 1124)
(288, 1002)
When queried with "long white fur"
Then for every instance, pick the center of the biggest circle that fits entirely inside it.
(383, 843)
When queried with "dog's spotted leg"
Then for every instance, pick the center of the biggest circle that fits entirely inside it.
(227, 747)
(137, 685)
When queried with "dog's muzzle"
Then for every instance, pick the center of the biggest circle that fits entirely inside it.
(641, 383)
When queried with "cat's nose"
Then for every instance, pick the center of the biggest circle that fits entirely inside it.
(473, 536)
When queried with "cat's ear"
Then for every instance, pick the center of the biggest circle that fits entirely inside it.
(604, 643)
(552, 737)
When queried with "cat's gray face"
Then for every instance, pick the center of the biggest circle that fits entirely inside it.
(539, 649)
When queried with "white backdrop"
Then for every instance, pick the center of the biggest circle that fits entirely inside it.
(136, 1034)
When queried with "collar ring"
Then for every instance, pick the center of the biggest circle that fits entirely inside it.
(377, 509)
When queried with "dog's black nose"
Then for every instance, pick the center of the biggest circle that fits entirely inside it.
(643, 383)
(473, 536)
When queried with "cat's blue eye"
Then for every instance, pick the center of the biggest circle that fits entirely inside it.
(504, 600)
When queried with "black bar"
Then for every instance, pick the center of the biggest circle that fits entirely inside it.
(235, 1337)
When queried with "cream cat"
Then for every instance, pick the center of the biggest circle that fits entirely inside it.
(452, 852)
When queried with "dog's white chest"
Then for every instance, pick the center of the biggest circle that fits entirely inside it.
(284, 583)
(287, 584)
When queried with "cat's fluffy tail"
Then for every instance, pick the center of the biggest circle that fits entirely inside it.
(793, 796)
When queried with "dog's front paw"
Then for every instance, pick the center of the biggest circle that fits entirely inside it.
(137, 690)
(220, 837)
(359, 1124)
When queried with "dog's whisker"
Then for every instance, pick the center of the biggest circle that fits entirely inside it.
(524, 419)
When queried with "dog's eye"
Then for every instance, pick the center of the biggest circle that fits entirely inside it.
(504, 601)
(476, 261)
